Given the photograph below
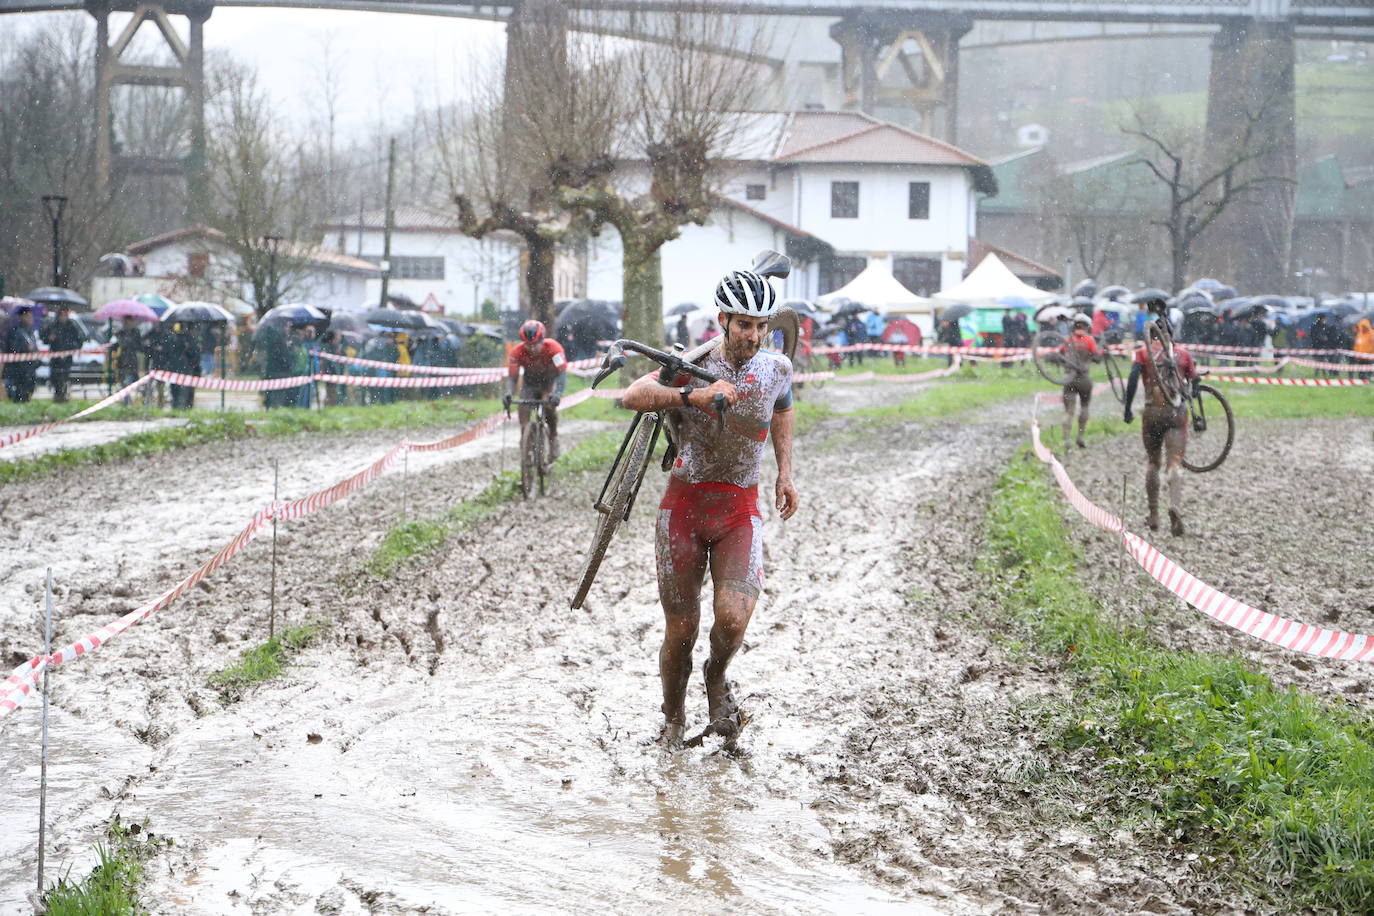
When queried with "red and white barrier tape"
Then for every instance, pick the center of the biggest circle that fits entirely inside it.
(588, 363)
(49, 354)
(1280, 631)
(1291, 382)
(99, 405)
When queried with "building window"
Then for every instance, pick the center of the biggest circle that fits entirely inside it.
(197, 263)
(918, 200)
(408, 267)
(837, 271)
(920, 275)
(844, 200)
(755, 192)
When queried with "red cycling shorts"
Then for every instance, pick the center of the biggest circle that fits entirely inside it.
(707, 523)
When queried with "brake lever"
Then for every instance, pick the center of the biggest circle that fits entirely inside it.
(718, 402)
(611, 366)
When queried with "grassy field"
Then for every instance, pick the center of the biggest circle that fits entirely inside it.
(1273, 784)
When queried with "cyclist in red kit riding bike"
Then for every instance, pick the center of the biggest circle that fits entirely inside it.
(546, 373)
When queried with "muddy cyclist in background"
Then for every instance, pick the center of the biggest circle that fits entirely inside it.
(709, 516)
(1163, 425)
(1078, 352)
(546, 372)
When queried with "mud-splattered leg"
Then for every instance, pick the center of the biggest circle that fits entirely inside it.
(1085, 397)
(1154, 444)
(737, 570)
(681, 569)
(1069, 397)
(1175, 441)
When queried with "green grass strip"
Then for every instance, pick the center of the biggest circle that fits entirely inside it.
(213, 426)
(411, 539)
(264, 662)
(1211, 751)
(111, 889)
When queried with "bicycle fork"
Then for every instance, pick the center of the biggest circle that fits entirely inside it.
(600, 502)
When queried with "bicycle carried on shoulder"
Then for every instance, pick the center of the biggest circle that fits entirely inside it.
(1049, 362)
(1211, 423)
(621, 487)
(534, 447)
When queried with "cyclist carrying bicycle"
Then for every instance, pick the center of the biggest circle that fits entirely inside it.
(1078, 352)
(546, 373)
(709, 514)
(1162, 425)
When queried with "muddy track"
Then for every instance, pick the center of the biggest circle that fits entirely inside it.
(479, 746)
(1283, 525)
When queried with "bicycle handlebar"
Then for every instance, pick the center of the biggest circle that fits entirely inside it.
(673, 365)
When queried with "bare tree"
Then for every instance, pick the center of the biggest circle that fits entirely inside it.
(690, 79)
(1201, 183)
(262, 187)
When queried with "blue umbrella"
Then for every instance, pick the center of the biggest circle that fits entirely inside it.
(1014, 302)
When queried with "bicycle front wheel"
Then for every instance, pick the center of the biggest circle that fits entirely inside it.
(541, 452)
(528, 461)
(1211, 431)
(620, 491)
(1045, 351)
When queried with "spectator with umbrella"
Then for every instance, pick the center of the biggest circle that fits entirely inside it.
(62, 335)
(21, 377)
(128, 353)
(182, 355)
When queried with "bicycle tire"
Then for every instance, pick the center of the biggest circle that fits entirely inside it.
(1048, 341)
(1166, 376)
(1207, 395)
(628, 475)
(541, 448)
(1112, 363)
(527, 460)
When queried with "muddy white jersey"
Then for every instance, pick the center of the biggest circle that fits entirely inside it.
(734, 455)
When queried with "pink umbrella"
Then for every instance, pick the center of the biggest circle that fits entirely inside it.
(125, 308)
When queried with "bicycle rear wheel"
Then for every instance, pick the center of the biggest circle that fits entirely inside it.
(1159, 352)
(1045, 351)
(626, 476)
(1211, 431)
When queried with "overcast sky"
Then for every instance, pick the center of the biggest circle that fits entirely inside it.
(387, 55)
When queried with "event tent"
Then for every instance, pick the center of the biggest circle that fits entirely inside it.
(988, 283)
(876, 288)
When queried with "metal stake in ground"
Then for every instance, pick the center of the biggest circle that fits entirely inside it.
(272, 613)
(405, 481)
(1121, 514)
(43, 758)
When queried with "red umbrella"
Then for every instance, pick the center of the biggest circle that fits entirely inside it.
(125, 308)
(901, 327)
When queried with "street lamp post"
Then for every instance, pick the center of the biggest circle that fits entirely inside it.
(54, 205)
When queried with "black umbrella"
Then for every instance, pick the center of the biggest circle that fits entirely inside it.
(1197, 305)
(1082, 303)
(1342, 309)
(1115, 293)
(684, 308)
(1086, 288)
(456, 327)
(800, 306)
(955, 312)
(850, 308)
(1150, 295)
(197, 313)
(398, 319)
(584, 322)
(295, 313)
(347, 321)
(55, 295)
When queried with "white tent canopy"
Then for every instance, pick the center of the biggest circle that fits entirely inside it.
(989, 282)
(880, 291)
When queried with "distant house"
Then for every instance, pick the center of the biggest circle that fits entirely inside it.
(833, 189)
(432, 259)
(198, 263)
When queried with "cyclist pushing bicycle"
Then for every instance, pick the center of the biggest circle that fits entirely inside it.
(1164, 418)
(709, 516)
(546, 374)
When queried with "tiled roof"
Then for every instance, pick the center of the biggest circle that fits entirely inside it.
(759, 214)
(850, 136)
(408, 218)
(1018, 264)
(312, 254)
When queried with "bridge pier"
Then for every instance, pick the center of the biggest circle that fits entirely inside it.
(903, 67)
(188, 74)
(1252, 89)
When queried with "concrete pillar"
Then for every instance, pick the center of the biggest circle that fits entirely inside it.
(103, 141)
(536, 54)
(1252, 89)
(197, 177)
(903, 67)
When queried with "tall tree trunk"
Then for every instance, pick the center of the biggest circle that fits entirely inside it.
(642, 292)
(1180, 262)
(539, 277)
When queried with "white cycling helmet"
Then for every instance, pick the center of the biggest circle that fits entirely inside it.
(1081, 318)
(743, 292)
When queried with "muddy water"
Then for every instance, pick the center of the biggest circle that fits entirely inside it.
(78, 435)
